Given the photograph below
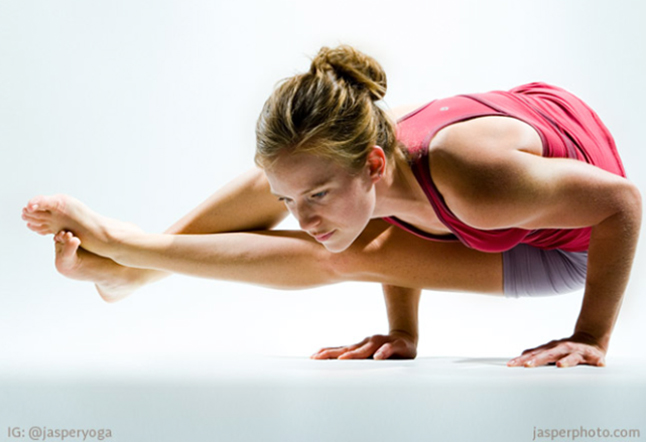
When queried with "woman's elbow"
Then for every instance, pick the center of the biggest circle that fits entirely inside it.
(631, 203)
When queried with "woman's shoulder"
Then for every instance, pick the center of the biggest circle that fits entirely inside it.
(497, 132)
(399, 111)
(470, 163)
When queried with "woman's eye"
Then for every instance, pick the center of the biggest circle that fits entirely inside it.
(320, 194)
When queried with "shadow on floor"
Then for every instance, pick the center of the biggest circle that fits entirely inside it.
(500, 362)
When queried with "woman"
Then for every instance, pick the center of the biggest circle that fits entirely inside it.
(527, 197)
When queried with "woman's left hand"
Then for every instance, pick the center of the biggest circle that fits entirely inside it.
(579, 348)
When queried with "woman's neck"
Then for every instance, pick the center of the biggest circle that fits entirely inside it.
(398, 192)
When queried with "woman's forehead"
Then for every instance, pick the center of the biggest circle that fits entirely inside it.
(302, 172)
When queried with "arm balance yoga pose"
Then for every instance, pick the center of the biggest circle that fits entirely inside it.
(519, 192)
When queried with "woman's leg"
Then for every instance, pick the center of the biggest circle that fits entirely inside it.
(286, 259)
(243, 204)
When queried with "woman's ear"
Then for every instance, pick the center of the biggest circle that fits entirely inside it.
(376, 163)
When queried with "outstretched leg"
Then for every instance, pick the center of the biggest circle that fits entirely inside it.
(287, 259)
(245, 203)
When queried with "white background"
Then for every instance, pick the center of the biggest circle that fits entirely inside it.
(142, 109)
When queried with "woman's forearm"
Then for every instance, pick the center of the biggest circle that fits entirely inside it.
(610, 256)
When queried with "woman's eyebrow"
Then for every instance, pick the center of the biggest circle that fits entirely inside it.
(322, 182)
(318, 184)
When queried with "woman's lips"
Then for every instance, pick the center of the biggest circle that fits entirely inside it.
(324, 237)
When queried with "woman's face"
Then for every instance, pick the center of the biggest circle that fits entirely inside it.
(329, 203)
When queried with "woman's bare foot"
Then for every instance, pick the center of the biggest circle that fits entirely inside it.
(113, 281)
(51, 214)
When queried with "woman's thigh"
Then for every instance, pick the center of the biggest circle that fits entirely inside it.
(389, 255)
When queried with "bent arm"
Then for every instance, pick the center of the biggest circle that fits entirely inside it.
(245, 203)
(610, 256)
(501, 187)
(561, 193)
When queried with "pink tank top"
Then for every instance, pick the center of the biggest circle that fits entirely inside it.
(567, 126)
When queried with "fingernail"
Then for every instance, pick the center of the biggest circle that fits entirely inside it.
(529, 363)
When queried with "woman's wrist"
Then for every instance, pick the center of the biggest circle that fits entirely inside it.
(412, 335)
(592, 337)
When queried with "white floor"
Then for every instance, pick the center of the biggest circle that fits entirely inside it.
(256, 398)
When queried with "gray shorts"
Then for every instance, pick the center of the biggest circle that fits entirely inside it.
(529, 271)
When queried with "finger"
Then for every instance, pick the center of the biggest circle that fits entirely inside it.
(363, 352)
(570, 360)
(530, 354)
(553, 355)
(385, 351)
(335, 352)
(329, 353)
(518, 361)
(525, 357)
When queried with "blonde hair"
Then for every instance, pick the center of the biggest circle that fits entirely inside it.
(329, 111)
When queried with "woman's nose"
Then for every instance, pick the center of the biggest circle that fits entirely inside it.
(307, 218)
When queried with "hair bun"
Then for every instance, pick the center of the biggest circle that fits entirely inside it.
(356, 68)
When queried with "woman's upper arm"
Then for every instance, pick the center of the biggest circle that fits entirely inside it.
(490, 183)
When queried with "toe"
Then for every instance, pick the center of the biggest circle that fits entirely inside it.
(33, 216)
(41, 229)
(58, 246)
(66, 252)
(70, 245)
(40, 203)
(35, 227)
(34, 203)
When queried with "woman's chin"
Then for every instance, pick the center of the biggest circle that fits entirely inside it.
(336, 247)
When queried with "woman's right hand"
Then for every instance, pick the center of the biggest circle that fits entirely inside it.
(395, 345)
